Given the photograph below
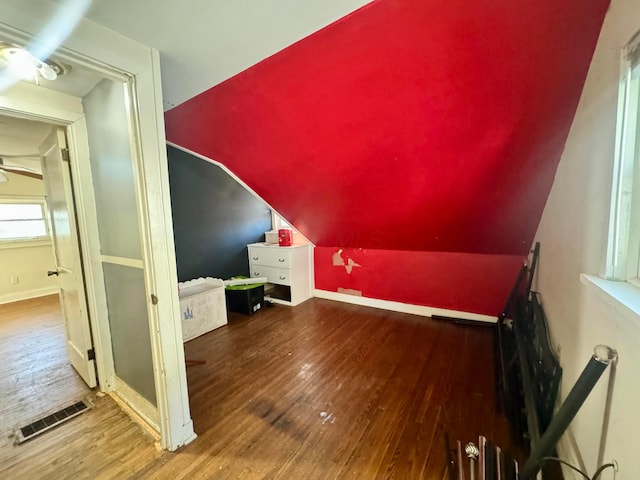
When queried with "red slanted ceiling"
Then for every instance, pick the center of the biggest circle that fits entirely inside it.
(421, 125)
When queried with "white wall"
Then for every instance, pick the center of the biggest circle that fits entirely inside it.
(573, 234)
(30, 260)
(203, 42)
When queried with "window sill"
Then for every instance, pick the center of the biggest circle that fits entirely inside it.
(622, 296)
(35, 242)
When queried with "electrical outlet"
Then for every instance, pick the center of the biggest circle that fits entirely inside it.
(14, 280)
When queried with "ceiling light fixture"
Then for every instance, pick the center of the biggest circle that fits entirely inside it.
(20, 63)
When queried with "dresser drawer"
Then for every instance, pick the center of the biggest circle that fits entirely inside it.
(273, 257)
(281, 276)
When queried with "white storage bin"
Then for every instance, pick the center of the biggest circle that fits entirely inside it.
(202, 306)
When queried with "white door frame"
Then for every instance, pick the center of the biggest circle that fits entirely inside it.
(64, 110)
(115, 56)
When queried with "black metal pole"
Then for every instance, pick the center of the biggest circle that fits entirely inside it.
(601, 358)
(532, 268)
(513, 294)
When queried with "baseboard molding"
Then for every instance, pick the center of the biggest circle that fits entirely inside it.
(421, 310)
(28, 294)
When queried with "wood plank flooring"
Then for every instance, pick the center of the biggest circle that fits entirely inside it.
(35, 374)
(320, 391)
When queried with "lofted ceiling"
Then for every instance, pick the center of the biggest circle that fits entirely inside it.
(425, 125)
(203, 42)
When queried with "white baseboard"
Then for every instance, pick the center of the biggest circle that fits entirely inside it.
(26, 295)
(403, 307)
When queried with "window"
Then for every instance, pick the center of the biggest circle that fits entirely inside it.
(623, 253)
(22, 220)
(278, 222)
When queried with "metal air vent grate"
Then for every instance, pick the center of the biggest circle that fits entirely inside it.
(42, 425)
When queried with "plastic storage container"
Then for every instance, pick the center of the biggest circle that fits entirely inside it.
(247, 299)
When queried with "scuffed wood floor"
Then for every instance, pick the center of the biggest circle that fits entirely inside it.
(35, 374)
(321, 391)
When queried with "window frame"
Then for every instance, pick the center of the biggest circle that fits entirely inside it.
(28, 200)
(623, 245)
(278, 222)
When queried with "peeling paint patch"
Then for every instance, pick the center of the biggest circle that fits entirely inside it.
(350, 264)
(338, 260)
(350, 291)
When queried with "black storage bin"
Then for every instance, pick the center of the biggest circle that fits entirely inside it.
(247, 299)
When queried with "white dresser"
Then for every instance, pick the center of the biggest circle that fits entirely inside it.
(289, 271)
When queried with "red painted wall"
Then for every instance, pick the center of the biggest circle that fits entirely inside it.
(457, 281)
(410, 125)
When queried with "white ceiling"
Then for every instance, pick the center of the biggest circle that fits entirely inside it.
(204, 42)
(22, 137)
(77, 82)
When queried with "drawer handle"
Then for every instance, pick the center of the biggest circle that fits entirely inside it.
(281, 260)
(256, 274)
(255, 258)
(282, 277)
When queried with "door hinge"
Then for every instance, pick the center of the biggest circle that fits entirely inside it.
(65, 154)
(154, 299)
(91, 354)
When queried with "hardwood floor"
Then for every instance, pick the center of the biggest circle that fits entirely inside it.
(321, 391)
(35, 376)
(36, 379)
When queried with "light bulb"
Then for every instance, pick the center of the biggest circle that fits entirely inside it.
(22, 64)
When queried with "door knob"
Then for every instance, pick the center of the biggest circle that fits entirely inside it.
(52, 272)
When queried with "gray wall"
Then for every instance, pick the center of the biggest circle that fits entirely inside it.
(214, 218)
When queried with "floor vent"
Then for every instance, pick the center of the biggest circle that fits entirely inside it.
(47, 423)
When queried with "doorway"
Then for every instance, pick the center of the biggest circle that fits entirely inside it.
(112, 274)
(38, 377)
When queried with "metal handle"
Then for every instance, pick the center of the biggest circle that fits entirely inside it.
(53, 272)
(282, 277)
(257, 274)
(281, 260)
(255, 258)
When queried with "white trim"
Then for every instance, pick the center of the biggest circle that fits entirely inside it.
(136, 417)
(101, 49)
(125, 262)
(421, 310)
(23, 199)
(28, 294)
(156, 226)
(622, 297)
(42, 104)
(135, 402)
(237, 179)
(35, 103)
(78, 145)
(25, 243)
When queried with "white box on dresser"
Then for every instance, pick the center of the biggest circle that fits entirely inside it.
(288, 268)
(202, 306)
